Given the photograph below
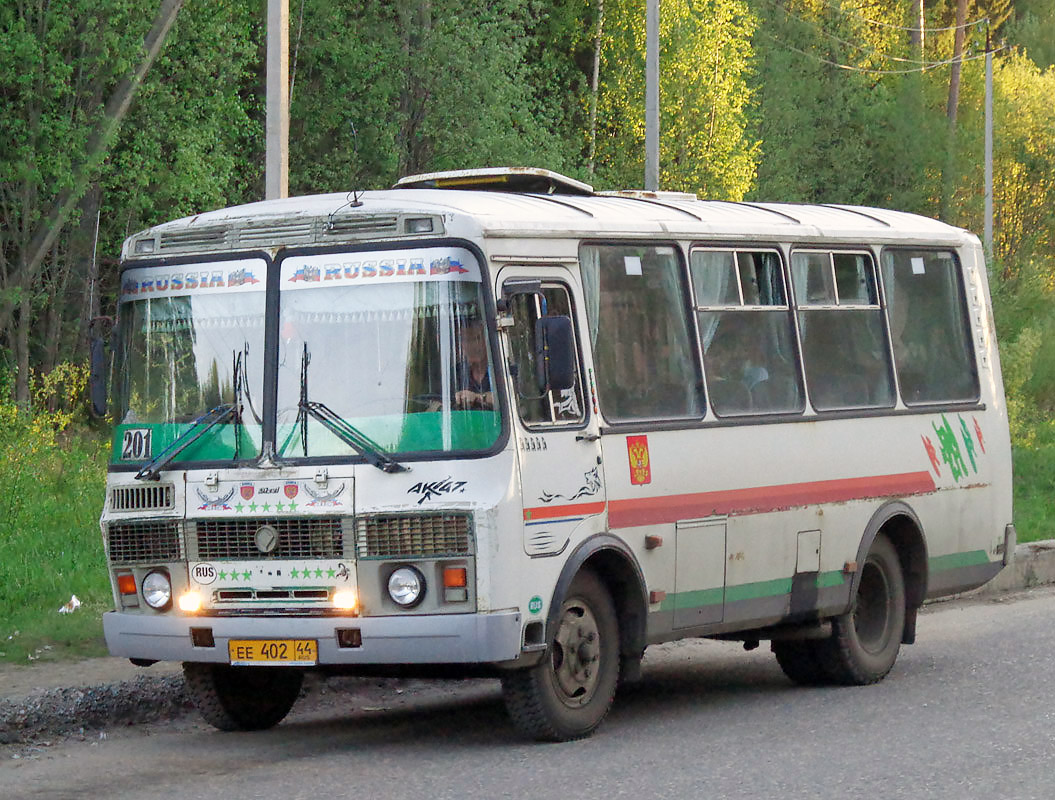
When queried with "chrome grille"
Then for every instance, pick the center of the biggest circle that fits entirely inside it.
(405, 535)
(310, 537)
(143, 541)
(149, 497)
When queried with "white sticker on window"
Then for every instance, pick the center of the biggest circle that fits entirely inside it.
(917, 266)
(633, 265)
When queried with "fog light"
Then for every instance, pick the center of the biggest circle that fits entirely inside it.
(157, 590)
(190, 602)
(345, 599)
(406, 587)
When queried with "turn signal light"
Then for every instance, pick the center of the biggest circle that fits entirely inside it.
(126, 583)
(454, 577)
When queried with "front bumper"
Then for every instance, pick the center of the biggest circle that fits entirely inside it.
(426, 639)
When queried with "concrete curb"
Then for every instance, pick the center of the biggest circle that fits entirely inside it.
(1034, 565)
(146, 698)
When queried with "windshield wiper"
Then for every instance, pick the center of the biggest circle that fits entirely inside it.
(339, 427)
(198, 428)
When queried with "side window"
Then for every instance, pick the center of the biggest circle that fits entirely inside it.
(639, 332)
(536, 404)
(746, 332)
(929, 328)
(843, 341)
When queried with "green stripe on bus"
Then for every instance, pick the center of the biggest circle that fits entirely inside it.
(698, 598)
(972, 558)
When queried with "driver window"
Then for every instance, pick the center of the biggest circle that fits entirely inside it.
(536, 404)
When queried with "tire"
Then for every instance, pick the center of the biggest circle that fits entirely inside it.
(801, 662)
(865, 641)
(569, 693)
(242, 698)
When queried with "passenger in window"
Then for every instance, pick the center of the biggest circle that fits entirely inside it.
(473, 373)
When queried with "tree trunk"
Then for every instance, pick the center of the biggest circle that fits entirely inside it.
(25, 320)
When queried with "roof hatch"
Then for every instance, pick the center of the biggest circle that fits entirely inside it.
(528, 180)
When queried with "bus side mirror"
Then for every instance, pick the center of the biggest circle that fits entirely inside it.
(555, 353)
(98, 365)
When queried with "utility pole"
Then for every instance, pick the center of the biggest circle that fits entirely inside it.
(988, 235)
(276, 162)
(652, 95)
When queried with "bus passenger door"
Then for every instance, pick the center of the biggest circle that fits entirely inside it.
(561, 475)
(699, 576)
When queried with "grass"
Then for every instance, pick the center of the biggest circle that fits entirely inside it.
(51, 493)
(1035, 486)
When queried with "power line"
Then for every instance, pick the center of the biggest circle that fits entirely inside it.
(911, 29)
(870, 70)
(854, 45)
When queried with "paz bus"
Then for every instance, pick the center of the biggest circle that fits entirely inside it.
(492, 422)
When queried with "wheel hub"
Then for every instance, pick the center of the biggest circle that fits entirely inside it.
(576, 650)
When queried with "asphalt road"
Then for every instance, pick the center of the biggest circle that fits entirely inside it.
(968, 712)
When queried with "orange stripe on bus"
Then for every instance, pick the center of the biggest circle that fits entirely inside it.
(758, 500)
(573, 510)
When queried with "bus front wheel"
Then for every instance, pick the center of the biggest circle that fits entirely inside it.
(242, 698)
(568, 694)
(866, 640)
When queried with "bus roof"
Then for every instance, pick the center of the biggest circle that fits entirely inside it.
(567, 208)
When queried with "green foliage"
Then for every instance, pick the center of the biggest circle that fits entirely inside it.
(384, 90)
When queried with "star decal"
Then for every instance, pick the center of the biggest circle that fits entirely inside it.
(331, 573)
(253, 506)
(247, 574)
(222, 576)
(294, 573)
(239, 507)
(318, 572)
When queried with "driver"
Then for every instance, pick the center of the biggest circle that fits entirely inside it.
(473, 372)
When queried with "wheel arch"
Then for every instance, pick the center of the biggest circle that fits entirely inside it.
(900, 524)
(615, 565)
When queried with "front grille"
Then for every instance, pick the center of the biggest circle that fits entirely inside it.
(151, 497)
(311, 537)
(406, 535)
(143, 541)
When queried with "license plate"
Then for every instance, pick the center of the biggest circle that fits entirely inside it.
(273, 652)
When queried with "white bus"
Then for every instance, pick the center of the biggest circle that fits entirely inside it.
(491, 422)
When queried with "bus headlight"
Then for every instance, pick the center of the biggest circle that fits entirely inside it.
(406, 587)
(157, 590)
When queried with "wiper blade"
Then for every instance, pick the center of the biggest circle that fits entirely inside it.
(350, 435)
(341, 428)
(197, 429)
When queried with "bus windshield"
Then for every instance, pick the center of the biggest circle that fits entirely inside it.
(384, 352)
(191, 341)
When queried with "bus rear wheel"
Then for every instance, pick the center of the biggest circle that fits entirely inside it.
(568, 694)
(865, 641)
(242, 698)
